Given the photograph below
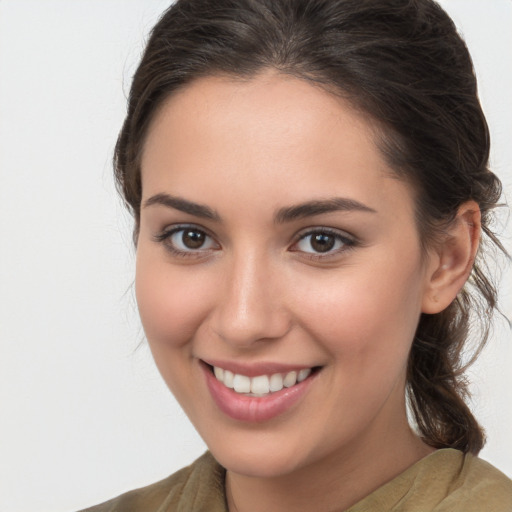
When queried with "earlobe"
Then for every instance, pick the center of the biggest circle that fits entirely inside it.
(452, 260)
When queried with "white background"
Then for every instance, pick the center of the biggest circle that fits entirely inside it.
(83, 413)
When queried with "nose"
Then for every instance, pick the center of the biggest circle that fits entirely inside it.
(251, 304)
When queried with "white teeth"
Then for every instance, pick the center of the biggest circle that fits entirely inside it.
(276, 382)
(303, 374)
(262, 384)
(228, 379)
(219, 373)
(242, 384)
(290, 379)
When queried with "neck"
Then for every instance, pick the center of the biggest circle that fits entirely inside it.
(333, 483)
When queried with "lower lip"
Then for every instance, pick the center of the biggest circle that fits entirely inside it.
(254, 409)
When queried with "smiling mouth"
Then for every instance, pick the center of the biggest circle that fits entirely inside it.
(261, 385)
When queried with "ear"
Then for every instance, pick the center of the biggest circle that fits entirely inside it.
(451, 261)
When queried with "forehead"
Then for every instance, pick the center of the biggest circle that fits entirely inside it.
(271, 107)
(241, 136)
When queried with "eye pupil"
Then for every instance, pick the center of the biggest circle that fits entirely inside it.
(193, 239)
(322, 242)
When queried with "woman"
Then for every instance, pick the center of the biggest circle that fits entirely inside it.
(309, 182)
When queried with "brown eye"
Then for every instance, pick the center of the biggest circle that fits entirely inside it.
(322, 242)
(187, 241)
(193, 239)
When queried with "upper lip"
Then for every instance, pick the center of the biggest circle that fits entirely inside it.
(255, 369)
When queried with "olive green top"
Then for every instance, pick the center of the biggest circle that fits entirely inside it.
(446, 480)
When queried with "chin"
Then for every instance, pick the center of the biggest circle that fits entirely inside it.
(262, 458)
(257, 465)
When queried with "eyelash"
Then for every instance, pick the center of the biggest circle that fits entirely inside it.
(347, 242)
(166, 236)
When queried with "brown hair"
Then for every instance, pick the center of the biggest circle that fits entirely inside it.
(404, 65)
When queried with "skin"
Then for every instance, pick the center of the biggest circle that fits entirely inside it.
(255, 292)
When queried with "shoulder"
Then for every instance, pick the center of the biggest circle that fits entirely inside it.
(445, 481)
(450, 480)
(478, 486)
(195, 487)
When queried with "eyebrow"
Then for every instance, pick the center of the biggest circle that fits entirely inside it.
(283, 215)
(317, 207)
(183, 205)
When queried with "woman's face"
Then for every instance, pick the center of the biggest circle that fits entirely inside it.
(277, 247)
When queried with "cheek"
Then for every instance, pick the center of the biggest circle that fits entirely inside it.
(171, 302)
(367, 315)
(172, 305)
